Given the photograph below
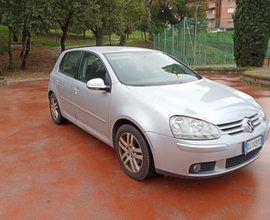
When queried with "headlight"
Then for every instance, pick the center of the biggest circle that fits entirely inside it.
(262, 112)
(193, 129)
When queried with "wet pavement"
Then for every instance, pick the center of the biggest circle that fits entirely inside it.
(61, 172)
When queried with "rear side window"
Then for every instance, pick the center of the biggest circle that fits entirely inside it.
(69, 63)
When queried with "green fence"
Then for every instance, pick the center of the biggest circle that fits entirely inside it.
(268, 50)
(192, 42)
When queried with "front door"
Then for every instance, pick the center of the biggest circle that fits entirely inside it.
(92, 106)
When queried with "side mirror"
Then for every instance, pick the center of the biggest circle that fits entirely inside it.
(98, 84)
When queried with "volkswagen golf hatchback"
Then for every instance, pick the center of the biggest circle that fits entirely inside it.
(158, 114)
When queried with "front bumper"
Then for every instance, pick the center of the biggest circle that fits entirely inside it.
(174, 157)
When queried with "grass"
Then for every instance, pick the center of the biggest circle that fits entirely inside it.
(44, 40)
(53, 38)
(257, 76)
(3, 38)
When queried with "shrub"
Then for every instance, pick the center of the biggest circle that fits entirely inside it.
(251, 34)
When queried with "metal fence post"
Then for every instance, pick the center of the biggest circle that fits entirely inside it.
(159, 41)
(164, 40)
(173, 40)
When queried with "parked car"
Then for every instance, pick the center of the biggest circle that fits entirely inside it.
(158, 114)
(215, 30)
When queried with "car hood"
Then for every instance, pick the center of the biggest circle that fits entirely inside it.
(203, 99)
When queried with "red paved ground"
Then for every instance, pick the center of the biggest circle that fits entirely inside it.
(61, 172)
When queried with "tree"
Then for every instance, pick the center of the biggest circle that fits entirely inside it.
(36, 16)
(7, 10)
(64, 11)
(173, 11)
(165, 13)
(26, 15)
(137, 16)
(105, 17)
(144, 26)
(251, 34)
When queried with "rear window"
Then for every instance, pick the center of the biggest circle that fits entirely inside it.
(69, 62)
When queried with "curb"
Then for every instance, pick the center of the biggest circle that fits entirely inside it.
(29, 81)
(3, 82)
(255, 80)
(219, 71)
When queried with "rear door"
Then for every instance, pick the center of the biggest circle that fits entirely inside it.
(65, 82)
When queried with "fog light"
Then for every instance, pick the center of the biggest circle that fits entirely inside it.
(195, 168)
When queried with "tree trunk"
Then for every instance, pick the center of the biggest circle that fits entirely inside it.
(142, 35)
(63, 40)
(122, 40)
(55, 33)
(15, 35)
(84, 34)
(98, 34)
(110, 39)
(64, 28)
(9, 49)
(181, 16)
(145, 35)
(99, 37)
(24, 35)
(26, 55)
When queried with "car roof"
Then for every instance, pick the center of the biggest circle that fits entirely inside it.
(114, 49)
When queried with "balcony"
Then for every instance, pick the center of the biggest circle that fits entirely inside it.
(212, 5)
(211, 16)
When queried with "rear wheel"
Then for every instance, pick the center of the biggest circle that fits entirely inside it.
(55, 111)
(134, 153)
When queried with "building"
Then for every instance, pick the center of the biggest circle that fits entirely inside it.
(220, 13)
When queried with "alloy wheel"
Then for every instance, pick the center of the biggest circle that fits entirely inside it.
(54, 109)
(130, 152)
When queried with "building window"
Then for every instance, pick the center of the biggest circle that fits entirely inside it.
(230, 10)
(213, 12)
(230, 0)
(229, 21)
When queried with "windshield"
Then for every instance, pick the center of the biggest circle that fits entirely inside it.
(149, 68)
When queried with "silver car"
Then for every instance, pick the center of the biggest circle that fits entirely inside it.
(157, 113)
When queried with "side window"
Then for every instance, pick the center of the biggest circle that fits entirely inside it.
(69, 63)
(92, 67)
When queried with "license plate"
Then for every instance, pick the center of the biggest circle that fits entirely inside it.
(253, 144)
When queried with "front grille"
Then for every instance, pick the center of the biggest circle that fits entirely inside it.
(208, 166)
(236, 127)
(238, 160)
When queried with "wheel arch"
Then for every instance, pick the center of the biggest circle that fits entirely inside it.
(49, 93)
(124, 121)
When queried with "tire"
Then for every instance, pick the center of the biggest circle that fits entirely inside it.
(55, 111)
(134, 153)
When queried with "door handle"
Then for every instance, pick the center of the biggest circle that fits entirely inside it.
(57, 81)
(76, 90)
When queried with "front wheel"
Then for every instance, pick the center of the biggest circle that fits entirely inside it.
(57, 117)
(134, 153)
